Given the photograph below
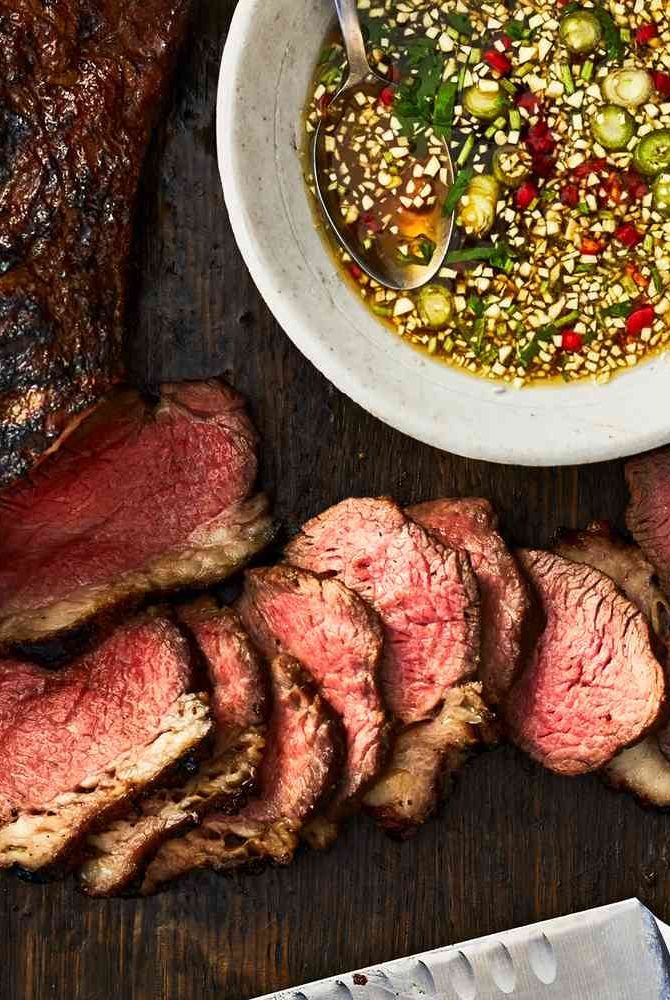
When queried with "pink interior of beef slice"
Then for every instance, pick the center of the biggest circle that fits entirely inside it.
(648, 514)
(140, 498)
(301, 767)
(223, 780)
(471, 525)
(644, 768)
(425, 594)
(75, 743)
(338, 639)
(593, 684)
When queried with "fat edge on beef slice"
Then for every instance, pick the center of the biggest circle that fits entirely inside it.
(223, 779)
(648, 514)
(141, 498)
(337, 638)
(471, 525)
(593, 685)
(81, 85)
(427, 598)
(643, 769)
(76, 744)
(301, 767)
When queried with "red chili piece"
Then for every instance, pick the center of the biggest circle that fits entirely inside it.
(540, 139)
(662, 83)
(387, 97)
(589, 167)
(628, 235)
(324, 102)
(639, 320)
(570, 195)
(526, 195)
(355, 272)
(528, 101)
(572, 341)
(506, 42)
(590, 246)
(645, 33)
(637, 188)
(498, 61)
(370, 222)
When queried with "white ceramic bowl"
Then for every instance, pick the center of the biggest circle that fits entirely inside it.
(265, 74)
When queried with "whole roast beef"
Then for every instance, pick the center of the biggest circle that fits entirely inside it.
(648, 514)
(426, 596)
(223, 779)
(80, 87)
(338, 639)
(300, 769)
(643, 769)
(77, 743)
(142, 497)
(593, 684)
(471, 525)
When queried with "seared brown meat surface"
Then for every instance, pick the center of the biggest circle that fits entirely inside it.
(80, 86)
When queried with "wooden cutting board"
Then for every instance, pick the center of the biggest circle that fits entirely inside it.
(513, 844)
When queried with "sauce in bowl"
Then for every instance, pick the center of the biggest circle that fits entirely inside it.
(558, 118)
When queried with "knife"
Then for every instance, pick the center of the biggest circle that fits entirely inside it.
(615, 952)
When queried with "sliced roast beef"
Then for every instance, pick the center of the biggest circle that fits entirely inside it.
(338, 639)
(648, 514)
(593, 684)
(141, 498)
(426, 756)
(300, 768)
(471, 525)
(223, 779)
(642, 769)
(426, 596)
(76, 743)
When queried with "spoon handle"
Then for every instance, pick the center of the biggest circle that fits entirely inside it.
(347, 14)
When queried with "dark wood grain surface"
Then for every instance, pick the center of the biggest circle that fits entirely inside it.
(513, 844)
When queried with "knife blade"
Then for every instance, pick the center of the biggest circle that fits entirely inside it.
(614, 952)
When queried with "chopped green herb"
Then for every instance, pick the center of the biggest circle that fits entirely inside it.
(463, 178)
(460, 23)
(620, 310)
(443, 112)
(419, 251)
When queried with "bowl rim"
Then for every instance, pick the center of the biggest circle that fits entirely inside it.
(287, 311)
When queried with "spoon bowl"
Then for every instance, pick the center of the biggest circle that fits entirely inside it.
(379, 259)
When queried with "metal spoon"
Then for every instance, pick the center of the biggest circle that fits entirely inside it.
(383, 267)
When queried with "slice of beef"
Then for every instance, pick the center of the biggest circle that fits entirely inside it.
(338, 639)
(77, 743)
(301, 767)
(426, 596)
(471, 525)
(593, 684)
(648, 514)
(643, 769)
(426, 757)
(222, 780)
(80, 89)
(142, 497)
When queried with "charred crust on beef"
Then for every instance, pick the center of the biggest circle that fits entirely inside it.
(593, 685)
(85, 740)
(222, 780)
(338, 640)
(426, 757)
(425, 594)
(471, 525)
(79, 94)
(648, 514)
(305, 750)
(140, 498)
